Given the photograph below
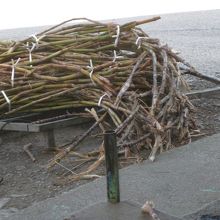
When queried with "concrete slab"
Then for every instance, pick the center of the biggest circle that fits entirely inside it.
(3, 202)
(180, 182)
(208, 211)
(123, 210)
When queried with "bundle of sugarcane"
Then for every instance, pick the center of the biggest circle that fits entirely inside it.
(134, 80)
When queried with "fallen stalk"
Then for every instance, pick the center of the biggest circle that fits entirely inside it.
(26, 149)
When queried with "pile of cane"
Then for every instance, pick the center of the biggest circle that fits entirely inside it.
(126, 80)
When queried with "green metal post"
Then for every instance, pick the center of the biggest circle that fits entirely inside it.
(111, 158)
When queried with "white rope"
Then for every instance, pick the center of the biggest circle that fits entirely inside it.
(7, 99)
(91, 67)
(30, 49)
(14, 64)
(139, 41)
(100, 99)
(117, 36)
(115, 56)
(37, 40)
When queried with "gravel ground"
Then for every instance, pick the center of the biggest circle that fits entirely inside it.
(25, 181)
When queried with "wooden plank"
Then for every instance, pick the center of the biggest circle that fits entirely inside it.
(13, 126)
(62, 123)
(31, 127)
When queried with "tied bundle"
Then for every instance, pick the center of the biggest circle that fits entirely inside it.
(125, 79)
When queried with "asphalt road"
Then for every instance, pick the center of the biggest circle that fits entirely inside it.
(195, 34)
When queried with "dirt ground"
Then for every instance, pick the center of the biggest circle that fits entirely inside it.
(207, 108)
(26, 182)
